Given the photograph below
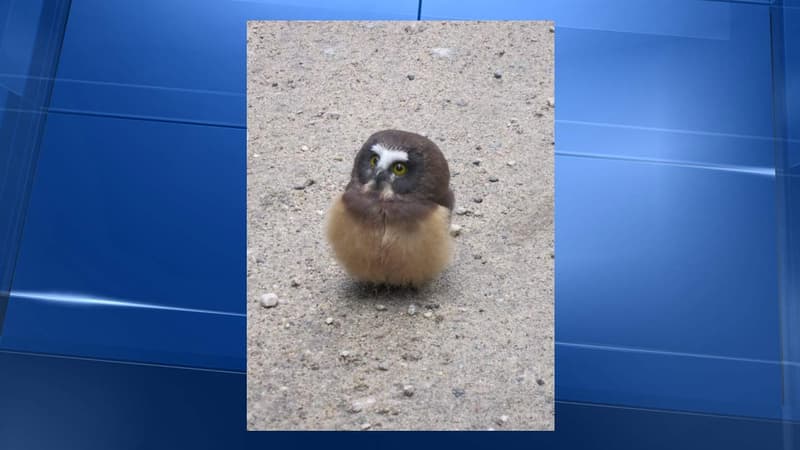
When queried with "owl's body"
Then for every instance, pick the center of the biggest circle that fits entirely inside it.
(395, 254)
(391, 225)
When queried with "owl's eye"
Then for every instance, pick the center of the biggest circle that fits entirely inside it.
(399, 169)
(373, 161)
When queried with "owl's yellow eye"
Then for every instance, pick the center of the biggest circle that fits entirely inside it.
(399, 169)
(373, 161)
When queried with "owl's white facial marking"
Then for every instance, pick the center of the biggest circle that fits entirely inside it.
(388, 156)
(387, 193)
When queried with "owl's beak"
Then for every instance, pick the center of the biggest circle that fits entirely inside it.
(381, 177)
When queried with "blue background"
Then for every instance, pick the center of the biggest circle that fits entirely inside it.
(123, 233)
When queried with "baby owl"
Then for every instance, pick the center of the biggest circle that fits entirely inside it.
(391, 224)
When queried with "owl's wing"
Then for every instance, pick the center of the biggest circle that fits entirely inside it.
(448, 200)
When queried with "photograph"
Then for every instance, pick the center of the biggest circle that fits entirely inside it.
(400, 225)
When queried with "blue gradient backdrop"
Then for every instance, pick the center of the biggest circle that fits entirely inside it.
(123, 234)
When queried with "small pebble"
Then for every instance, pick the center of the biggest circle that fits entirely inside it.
(274, 84)
(441, 52)
(383, 366)
(299, 187)
(307, 183)
(295, 284)
(412, 356)
(380, 307)
(455, 230)
(329, 320)
(461, 211)
(366, 426)
(458, 392)
(269, 300)
(478, 200)
(304, 148)
(552, 29)
(410, 76)
(493, 179)
(408, 390)
(476, 162)
(360, 404)
(540, 382)
(498, 74)
(412, 309)
(551, 102)
(502, 420)
(428, 314)
(511, 163)
(338, 158)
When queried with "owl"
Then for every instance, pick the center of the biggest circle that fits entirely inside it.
(391, 224)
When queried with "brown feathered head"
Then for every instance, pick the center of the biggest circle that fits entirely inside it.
(398, 176)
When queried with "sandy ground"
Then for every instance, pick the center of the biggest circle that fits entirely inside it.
(473, 350)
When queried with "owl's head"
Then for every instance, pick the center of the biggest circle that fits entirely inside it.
(402, 166)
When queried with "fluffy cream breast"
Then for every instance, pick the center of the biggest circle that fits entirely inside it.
(391, 254)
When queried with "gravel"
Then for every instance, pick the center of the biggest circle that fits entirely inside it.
(269, 300)
(361, 404)
(344, 362)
